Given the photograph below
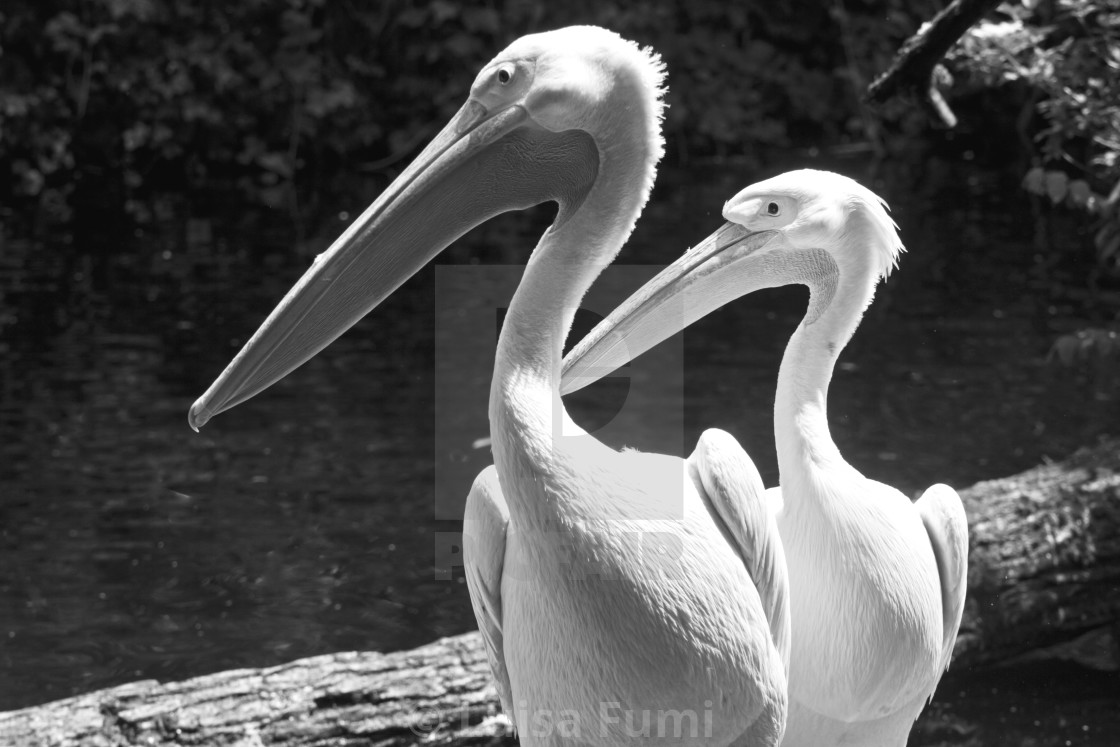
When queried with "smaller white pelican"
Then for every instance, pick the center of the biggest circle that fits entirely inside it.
(877, 583)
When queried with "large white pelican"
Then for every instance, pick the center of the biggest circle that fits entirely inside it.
(877, 583)
(624, 598)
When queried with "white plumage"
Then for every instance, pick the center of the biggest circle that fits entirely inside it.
(876, 583)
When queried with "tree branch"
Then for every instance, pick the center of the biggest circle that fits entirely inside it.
(915, 66)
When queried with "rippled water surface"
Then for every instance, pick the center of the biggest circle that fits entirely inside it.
(318, 517)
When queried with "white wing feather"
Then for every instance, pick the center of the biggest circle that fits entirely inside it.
(484, 549)
(947, 526)
(732, 485)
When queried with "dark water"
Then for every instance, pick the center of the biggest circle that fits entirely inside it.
(318, 517)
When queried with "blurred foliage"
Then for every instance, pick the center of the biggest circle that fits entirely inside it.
(1076, 193)
(1087, 345)
(1066, 53)
(103, 102)
(120, 96)
(1094, 352)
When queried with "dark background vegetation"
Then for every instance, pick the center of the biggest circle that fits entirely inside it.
(105, 103)
(144, 93)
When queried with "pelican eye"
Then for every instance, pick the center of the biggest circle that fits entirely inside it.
(504, 75)
(773, 208)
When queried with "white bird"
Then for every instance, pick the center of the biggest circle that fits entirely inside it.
(624, 598)
(877, 583)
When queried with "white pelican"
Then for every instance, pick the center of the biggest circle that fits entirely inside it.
(624, 598)
(877, 583)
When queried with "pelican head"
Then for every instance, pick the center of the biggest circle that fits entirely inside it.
(803, 226)
(541, 121)
(810, 209)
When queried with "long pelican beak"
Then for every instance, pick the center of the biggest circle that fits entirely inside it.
(481, 164)
(705, 278)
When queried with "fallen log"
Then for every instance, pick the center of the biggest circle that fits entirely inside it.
(1044, 581)
(1044, 563)
(439, 694)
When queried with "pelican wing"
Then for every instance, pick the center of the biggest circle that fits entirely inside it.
(943, 515)
(731, 483)
(484, 551)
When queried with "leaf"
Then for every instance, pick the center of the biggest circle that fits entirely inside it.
(340, 95)
(136, 136)
(277, 163)
(1057, 184)
(1079, 193)
(64, 31)
(1065, 349)
(1033, 182)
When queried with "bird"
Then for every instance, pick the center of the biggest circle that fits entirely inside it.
(622, 597)
(877, 583)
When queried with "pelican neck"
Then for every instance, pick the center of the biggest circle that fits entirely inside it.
(837, 300)
(527, 415)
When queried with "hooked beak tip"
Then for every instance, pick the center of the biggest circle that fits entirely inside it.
(199, 415)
